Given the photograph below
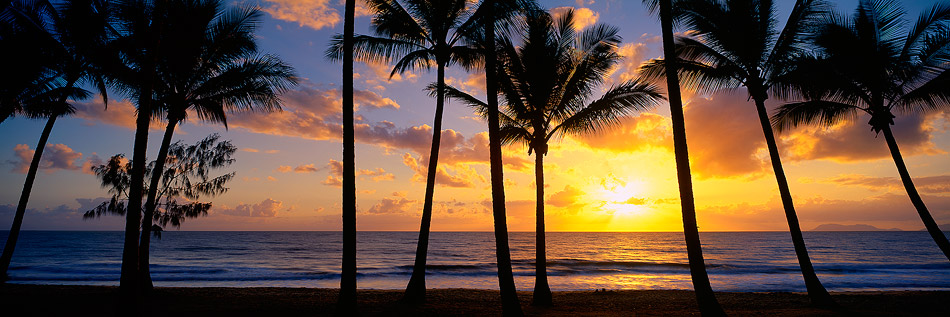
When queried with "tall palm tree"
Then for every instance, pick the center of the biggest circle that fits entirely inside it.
(214, 70)
(734, 44)
(546, 83)
(76, 32)
(708, 305)
(347, 300)
(419, 34)
(869, 63)
(135, 57)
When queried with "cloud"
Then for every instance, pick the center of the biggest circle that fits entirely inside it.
(473, 84)
(930, 184)
(309, 168)
(442, 178)
(266, 208)
(315, 14)
(583, 17)
(854, 141)
(634, 133)
(398, 203)
(253, 150)
(55, 156)
(725, 137)
(284, 168)
(119, 113)
(567, 197)
(633, 54)
(336, 174)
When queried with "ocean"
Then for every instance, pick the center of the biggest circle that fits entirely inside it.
(736, 261)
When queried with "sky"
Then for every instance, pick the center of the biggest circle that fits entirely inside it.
(288, 167)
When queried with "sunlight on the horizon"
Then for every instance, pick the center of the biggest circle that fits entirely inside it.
(623, 196)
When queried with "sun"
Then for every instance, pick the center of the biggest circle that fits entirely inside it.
(619, 195)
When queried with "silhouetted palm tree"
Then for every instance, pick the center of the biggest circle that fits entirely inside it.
(868, 62)
(708, 305)
(347, 300)
(213, 70)
(76, 32)
(419, 34)
(546, 83)
(734, 44)
(29, 77)
(136, 53)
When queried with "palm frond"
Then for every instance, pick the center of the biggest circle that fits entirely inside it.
(813, 112)
(624, 99)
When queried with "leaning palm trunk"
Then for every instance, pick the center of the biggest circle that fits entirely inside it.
(24, 199)
(925, 216)
(347, 299)
(816, 292)
(150, 204)
(542, 292)
(14, 234)
(416, 289)
(708, 305)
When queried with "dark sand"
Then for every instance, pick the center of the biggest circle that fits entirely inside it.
(51, 300)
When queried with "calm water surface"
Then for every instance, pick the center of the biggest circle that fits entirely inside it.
(737, 261)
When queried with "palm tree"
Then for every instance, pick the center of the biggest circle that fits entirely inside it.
(868, 62)
(29, 76)
(708, 305)
(347, 300)
(419, 34)
(76, 31)
(545, 84)
(213, 71)
(510, 304)
(135, 57)
(734, 44)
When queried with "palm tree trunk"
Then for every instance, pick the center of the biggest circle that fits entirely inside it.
(542, 292)
(128, 280)
(925, 216)
(708, 305)
(24, 199)
(510, 304)
(416, 289)
(347, 299)
(150, 201)
(816, 292)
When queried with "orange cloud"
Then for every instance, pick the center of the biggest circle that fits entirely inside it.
(267, 208)
(315, 14)
(854, 141)
(55, 156)
(583, 17)
(930, 184)
(398, 203)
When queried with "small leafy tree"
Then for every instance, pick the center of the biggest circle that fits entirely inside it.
(185, 179)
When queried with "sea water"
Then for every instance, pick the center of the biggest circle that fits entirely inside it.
(736, 261)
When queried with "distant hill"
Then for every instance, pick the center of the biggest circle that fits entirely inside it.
(857, 227)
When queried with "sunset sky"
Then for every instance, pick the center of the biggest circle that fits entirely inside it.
(288, 169)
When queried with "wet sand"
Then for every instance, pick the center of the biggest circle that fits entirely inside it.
(53, 300)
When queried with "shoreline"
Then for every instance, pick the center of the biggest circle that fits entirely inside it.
(82, 300)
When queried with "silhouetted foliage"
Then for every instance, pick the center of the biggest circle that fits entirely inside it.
(68, 39)
(547, 83)
(869, 62)
(733, 44)
(418, 35)
(708, 304)
(186, 178)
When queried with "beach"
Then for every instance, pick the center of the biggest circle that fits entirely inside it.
(74, 300)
